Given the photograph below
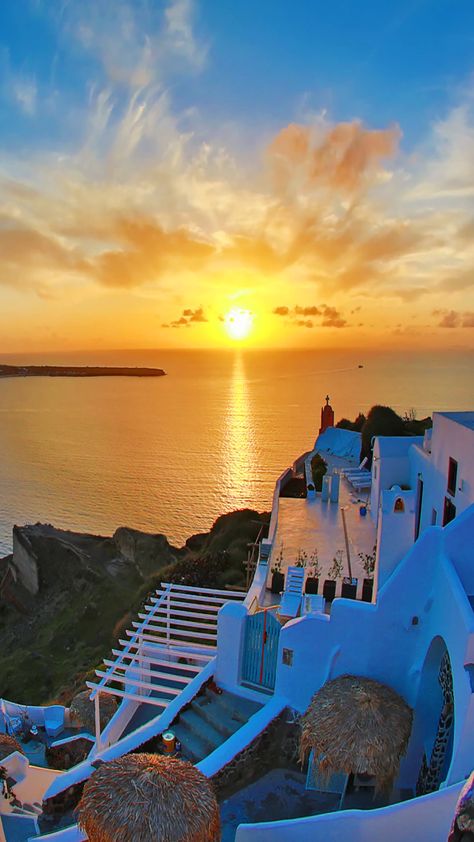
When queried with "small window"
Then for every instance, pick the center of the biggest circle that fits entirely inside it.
(452, 476)
(288, 657)
(449, 512)
(434, 517)
(399, 505)
(375, 471)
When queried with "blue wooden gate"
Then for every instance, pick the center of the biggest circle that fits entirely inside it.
(262, 631)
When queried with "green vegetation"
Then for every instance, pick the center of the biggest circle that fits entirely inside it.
(337, 567)
(90, 590)
(318, 469)
(368, 562)
(355, 425)
(381, 421)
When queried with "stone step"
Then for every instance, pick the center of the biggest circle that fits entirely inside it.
(239, 708)
(216, 715)
(192, 746)
(202, 727)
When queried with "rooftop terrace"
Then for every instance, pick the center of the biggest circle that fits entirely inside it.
(308, 523)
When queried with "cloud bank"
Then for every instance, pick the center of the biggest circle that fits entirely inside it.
(144, 199)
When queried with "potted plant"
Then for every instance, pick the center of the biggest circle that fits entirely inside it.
(314, 572)
(301, 558)
(334, 573)
(278, 579)
(368, 563)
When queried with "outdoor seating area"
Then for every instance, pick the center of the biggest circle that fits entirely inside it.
(332, 543)
(47, 745)
(355, 726)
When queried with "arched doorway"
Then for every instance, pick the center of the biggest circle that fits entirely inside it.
(434, 717)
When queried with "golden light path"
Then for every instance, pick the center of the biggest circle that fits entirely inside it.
(238, 323)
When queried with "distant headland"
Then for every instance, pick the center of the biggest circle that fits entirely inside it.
(77, 371)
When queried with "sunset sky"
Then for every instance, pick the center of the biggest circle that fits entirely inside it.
(307, 167)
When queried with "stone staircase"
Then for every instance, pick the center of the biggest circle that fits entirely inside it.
(209, 720)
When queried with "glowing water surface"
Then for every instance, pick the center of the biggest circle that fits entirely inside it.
(171, 454)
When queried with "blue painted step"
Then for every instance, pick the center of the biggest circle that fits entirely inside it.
(210, 720)
(205, 729)
(192, 746)
(238, 707)
(222, 719)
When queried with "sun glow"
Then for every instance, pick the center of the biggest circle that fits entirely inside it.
(238, 323)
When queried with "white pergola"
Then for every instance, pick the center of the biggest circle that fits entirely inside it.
(173, 640)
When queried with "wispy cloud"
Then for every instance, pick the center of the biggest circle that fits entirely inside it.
(139, 43)
(17, 85)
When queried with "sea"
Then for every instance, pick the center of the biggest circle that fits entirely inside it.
(171, 454)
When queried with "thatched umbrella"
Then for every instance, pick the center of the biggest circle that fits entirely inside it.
(149, 798)
(82, 711)
(357, 725)
(8, 745)
(463, 822)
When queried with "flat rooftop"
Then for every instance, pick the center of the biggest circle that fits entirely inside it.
(306, 524)
(466, 419)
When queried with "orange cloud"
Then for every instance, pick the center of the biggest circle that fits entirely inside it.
(345, 157)
(147, 251)
(26, 254)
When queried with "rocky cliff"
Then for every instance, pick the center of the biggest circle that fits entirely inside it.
(65, 596)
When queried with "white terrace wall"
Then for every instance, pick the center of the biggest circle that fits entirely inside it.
(35, 713)
(423, 599)
(427, 819)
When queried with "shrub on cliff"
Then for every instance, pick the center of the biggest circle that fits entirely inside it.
(355, 426)
(209, 571)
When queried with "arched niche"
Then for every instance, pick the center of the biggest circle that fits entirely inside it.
(399, 505)
(434, 718)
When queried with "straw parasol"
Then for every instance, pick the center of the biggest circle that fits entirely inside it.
(149, 798)
(463, 822)
(82, 712)
(8, 745)
(357, 725)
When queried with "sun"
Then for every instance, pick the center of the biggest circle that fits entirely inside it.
(238, 323)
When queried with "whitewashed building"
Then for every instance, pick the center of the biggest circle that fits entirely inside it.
(416, 635)
(419, 482)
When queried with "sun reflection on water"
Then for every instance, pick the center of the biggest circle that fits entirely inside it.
(239, 435)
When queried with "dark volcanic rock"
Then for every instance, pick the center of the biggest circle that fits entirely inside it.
(148, 552)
